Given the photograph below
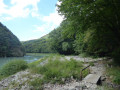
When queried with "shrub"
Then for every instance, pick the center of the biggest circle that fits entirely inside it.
(55, 70)
(115, 72)
(116, 56)
(12, 67)
(91, 63)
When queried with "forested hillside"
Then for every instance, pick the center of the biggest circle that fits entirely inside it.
(54, 42)
(41, 45)
(9, 43)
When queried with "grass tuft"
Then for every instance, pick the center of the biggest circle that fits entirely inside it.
(55, 70)
(37, 83)
(115, 73)
(12, 67)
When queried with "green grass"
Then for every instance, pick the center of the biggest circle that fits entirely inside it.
(114, 72)
(49, 57)
(85, 55)
(91, 63)
(55, 70)
(12, 67)
(37, 83)
(104, 87)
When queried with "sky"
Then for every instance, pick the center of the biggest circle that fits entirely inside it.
(29, 19)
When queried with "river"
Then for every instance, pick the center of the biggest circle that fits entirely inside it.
(28, 57)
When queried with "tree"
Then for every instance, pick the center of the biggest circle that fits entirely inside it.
(99, 18)
(61, 43)
(9, 43)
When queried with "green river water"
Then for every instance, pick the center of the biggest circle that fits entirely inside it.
(29, 58)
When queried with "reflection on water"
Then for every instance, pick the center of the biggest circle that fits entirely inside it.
(28, 58)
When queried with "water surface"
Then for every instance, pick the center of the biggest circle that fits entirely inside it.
(29, 58)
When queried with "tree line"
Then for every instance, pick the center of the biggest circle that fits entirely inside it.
(94, 25)
(89, 26)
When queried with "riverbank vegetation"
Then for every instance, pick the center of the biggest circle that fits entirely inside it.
(56, 70)
(113, 73)
(53, 69)
(12, 67)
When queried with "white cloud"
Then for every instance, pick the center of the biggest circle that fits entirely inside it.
(59, 3)
(40, 28)
(45, 28)
(53, 18)
(23, 8)
(19, 8)
(7, 18)
(51, 22)
(2, 7)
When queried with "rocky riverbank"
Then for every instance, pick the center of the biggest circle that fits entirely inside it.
(20, 80)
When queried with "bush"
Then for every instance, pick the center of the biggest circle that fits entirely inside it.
(91, 63)
(12, 67)
(115, 72)
(116, 56)
(55, 70)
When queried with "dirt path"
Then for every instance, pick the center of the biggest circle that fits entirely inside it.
(88, 59)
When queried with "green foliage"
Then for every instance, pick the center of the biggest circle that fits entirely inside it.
(79, 45)
(9, 43)
(116, 56)
(115, 73)
(89, 26)
(41, 45)
(91, 63)
(95, 25)
(61, 43)
(12, 67)
(54, 42)
(105, 87)
(37, 83)
(55, 70)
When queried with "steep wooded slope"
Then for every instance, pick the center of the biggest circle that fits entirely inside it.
(9, 44)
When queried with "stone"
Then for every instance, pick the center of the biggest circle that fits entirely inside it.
(72, 77)
(78, 87)
(103, 78)
(111, 77)
(63, 79)
(92, 78)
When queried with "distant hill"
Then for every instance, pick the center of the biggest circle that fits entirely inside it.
(54, 42)
(10, 46)
(41, 45)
